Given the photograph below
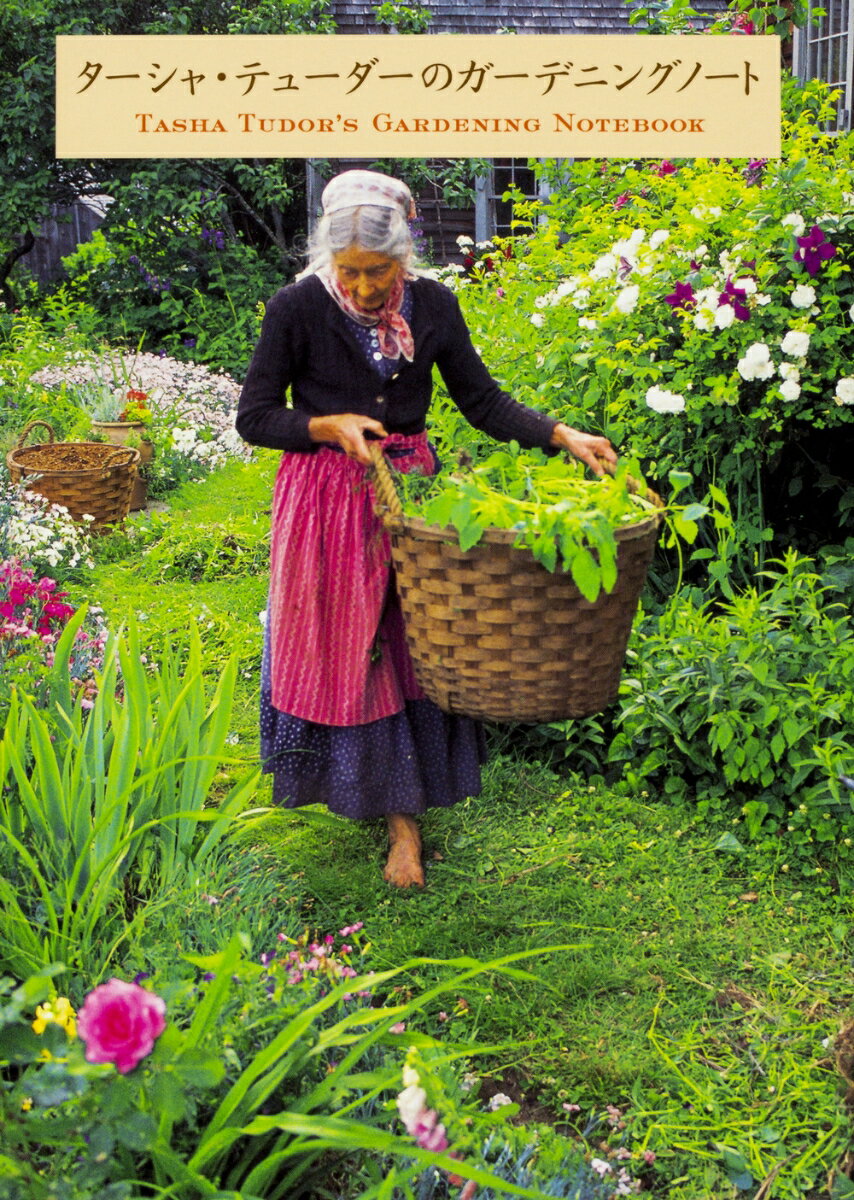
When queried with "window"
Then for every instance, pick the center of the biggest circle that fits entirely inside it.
(825, 50)
(493, 216)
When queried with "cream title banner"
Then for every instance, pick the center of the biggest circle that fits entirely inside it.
(420, 95)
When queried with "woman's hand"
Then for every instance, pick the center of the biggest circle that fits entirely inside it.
(596, 452)
(346, 430)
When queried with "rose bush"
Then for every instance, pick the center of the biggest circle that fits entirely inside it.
(707, 324)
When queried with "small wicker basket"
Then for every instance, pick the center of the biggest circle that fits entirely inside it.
(91, 479)
(493, 634)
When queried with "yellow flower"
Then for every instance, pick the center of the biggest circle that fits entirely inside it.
(26, 1104)
(56, 1012)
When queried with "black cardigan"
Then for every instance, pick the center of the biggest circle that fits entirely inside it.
(306, 344)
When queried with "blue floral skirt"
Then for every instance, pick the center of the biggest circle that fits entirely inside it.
(416, 759)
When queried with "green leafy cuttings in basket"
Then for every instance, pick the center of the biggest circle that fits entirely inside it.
(566, 520)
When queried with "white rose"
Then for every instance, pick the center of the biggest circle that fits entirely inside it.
(790, 390)
(604, 266)
(627, 298)
(586, 323)
(795, 222)
(662, 401)
(795, 343)
(845, 390)
(789, 371)
(803, 296)
(756, 363)
(537, 319)
(724, 316)
(658, 238)
(708, 297)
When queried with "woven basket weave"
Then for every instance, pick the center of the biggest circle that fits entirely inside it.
(100, 489)
(493, 634)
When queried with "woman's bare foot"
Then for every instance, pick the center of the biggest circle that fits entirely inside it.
(403, 868)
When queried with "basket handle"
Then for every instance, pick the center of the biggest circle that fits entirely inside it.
(117, 459)
(32, 425)
(388, 506)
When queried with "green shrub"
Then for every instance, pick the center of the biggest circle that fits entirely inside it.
(176, 551)
(748, 707)
(700, 320)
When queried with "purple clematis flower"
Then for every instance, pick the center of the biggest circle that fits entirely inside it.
(737, 297)
(813, 249)
(682, 297)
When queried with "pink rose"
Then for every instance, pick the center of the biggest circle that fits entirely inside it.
(119, 1023)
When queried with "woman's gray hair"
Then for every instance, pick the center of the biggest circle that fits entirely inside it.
(368, 226)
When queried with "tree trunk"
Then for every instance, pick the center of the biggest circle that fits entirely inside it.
(24, 247)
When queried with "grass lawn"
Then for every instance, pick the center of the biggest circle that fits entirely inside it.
(689, 981)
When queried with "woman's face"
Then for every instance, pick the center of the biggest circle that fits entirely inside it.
(368, 277)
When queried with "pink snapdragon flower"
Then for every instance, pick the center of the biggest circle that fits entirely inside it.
(119, 1023)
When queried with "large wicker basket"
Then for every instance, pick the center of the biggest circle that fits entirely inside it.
(91, 479)
(493, 634)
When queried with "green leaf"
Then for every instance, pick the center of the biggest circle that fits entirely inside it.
(586, 574)
(199, 1069)
(729, 843)
(679, 480)
(137, 1131)
(470, 535)
(167, 1096)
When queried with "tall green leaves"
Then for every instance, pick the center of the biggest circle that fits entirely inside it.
(101, 810)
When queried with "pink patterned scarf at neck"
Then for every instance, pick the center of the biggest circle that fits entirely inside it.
(394, 334)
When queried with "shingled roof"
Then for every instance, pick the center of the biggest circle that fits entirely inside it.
(523, 16)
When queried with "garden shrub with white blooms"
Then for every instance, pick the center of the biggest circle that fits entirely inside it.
(192, 407)
(42, 534)
(706, 324)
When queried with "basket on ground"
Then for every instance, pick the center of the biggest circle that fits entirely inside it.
(493, 634)
(91, 479)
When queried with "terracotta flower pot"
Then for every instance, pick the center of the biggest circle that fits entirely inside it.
(118, 432)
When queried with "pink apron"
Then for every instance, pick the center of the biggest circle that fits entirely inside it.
(338, 653)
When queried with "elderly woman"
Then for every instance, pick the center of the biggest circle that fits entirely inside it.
(355, 339)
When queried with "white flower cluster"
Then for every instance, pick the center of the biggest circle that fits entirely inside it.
(200, 402)
(756, 363)
(844, 393)
(635, 255)
(41, 534)
(662, 401)
(173, 387)
(795, 222)
(795, 343)
(803, 296)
